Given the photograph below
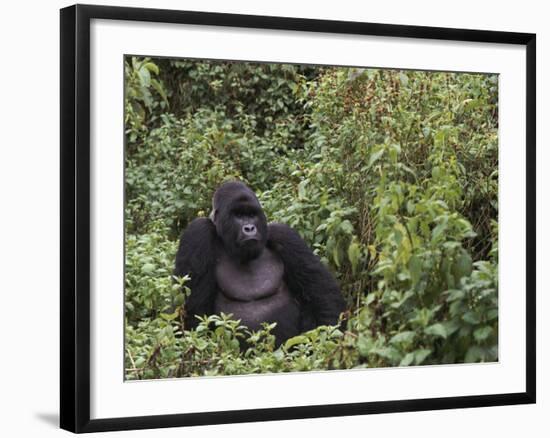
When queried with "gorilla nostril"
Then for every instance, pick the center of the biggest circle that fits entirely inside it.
(249, 229)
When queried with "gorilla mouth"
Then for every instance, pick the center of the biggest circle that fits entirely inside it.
(249, 240)
(249, 248)
(246, 242)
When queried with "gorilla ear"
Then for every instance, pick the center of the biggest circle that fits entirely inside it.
(213, 215)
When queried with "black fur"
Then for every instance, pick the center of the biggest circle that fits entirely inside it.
(237, 235)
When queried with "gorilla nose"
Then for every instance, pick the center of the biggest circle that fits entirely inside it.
(249, 229)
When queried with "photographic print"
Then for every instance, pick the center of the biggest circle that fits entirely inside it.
(290, 217)
(346, 209)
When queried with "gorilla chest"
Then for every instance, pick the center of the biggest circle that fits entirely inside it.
(255, 292)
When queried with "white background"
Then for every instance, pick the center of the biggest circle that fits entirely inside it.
(29, 219)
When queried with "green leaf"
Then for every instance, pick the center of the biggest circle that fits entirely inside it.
(405, 337)
(462, 266)
(375, 156)
(415, 268)
(451, 326)
(346, 227)
(436, 329)
(152, 67)
(169, 316)
(336, 256)
(470, 104)
(439, 137)
(407, 360)
(471, 318)
(398, 236)
(482, 333)
(296, 340)
(158, 87)
(302, 189)
(322, 227)
(144, 77)
(438, 230)
(475, 354)
(354, 252)
(455, 294)
(389, 353)
(421, 355)
(147, 268)
(364, 345)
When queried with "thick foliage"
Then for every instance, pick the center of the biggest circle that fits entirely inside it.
(391, 176)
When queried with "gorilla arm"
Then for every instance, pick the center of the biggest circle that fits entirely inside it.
(196, 257)
(306, 276)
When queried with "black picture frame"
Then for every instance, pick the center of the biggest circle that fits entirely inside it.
(76, 210)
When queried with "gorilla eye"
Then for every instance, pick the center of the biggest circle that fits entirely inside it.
(241, 213)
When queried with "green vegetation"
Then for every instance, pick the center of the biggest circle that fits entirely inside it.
(390, 176)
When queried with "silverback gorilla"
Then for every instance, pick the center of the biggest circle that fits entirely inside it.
(259, 272)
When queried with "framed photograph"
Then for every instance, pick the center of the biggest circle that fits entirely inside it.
(268, 218)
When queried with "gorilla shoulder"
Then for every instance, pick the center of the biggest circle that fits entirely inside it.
(197, 245)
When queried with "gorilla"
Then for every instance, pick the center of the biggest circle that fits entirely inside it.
(259, 272)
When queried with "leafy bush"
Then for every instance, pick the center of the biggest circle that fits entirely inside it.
(390, 176)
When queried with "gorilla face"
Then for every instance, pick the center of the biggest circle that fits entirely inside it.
(239, 220)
